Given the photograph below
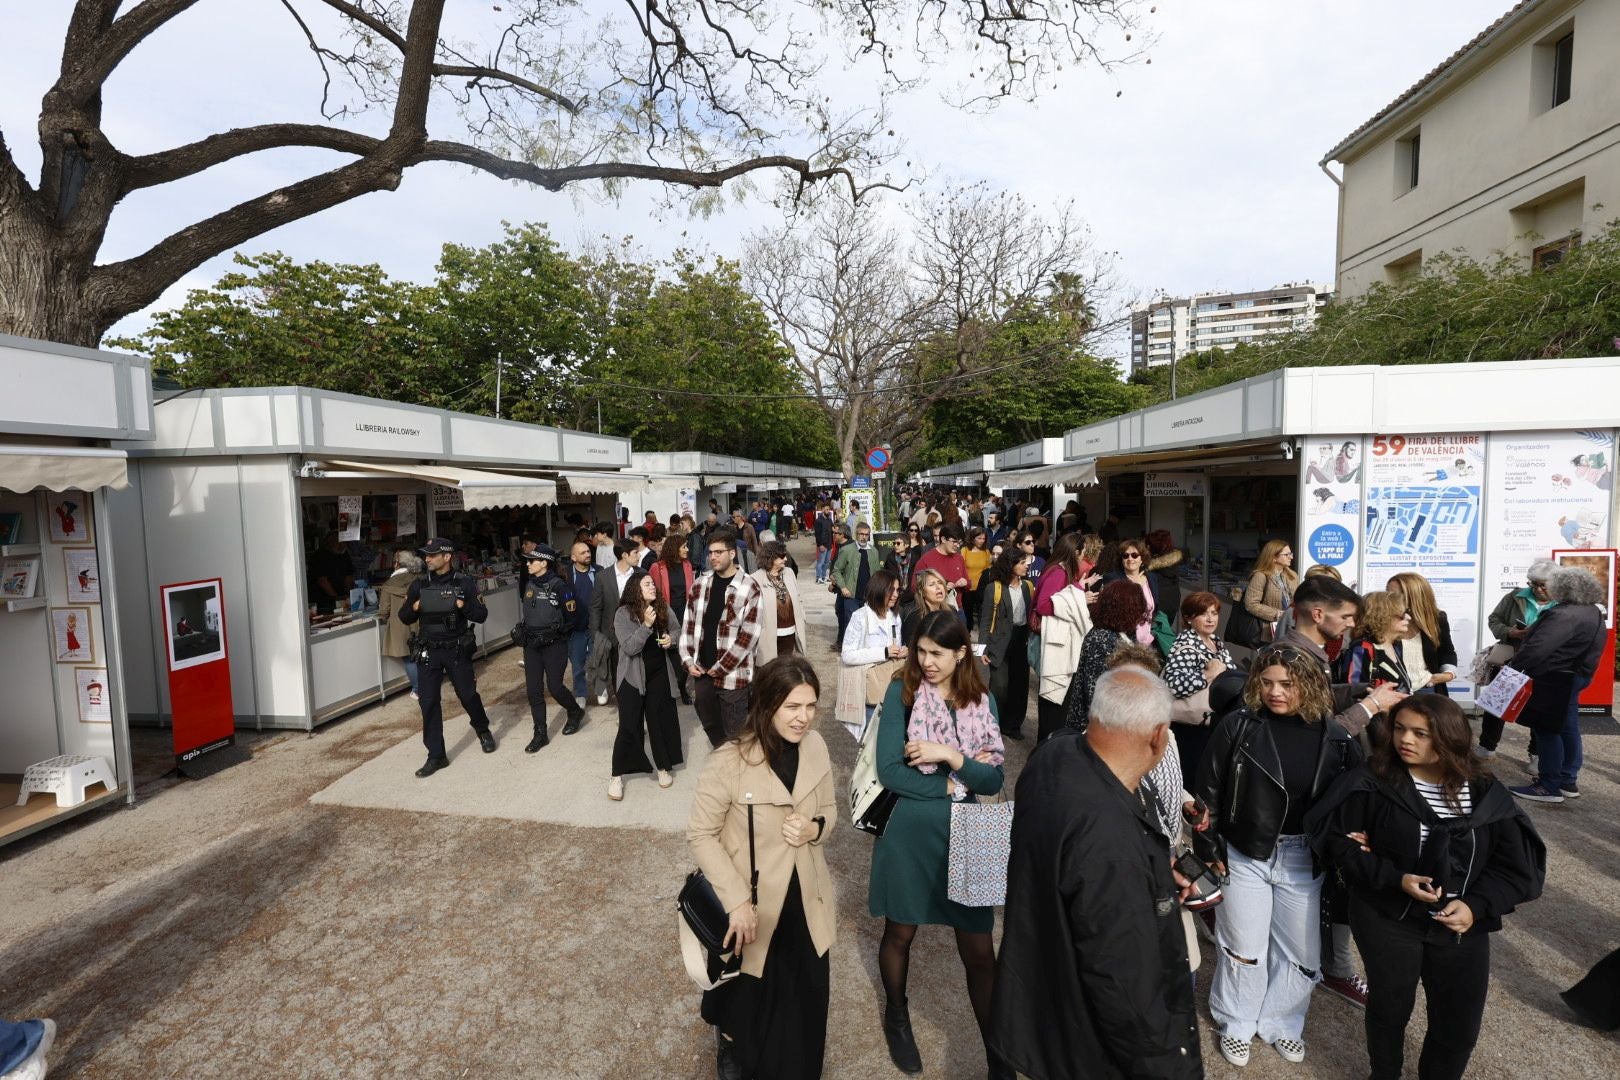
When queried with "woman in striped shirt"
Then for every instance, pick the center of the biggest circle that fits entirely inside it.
(1435, 852)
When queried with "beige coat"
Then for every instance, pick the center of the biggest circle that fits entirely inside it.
(1263, 598)
(765, 651)
(390, 598)
(718, 832)
(1062, 634)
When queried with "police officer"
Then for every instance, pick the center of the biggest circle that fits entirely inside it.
(446, 604)
(550, 615)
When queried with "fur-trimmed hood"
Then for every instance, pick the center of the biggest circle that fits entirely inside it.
(1167, 561)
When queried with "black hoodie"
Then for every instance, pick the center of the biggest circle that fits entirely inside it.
(1492, 858)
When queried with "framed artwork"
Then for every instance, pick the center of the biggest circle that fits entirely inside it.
(194, 616)
(69, 516)
(95, 700)
(19, 577)
(1600, 563)
(10, 528)
(71, 639)
(83, 575)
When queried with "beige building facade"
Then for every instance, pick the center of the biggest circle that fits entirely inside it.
(1511, 145)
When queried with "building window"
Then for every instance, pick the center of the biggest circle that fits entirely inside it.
(1563, 53)
(1548, 256)
(1408, 156)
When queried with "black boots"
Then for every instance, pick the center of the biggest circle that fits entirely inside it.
(902, 1044)
(575, 719)
(540, 739)
(434, 764)
(487, 741)
(726, 1066)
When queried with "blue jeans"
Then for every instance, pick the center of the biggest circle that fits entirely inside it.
(579, 651)
(17, 1041)
(823, 563)
(412, 674)
(1270, 944)
(1559, 759)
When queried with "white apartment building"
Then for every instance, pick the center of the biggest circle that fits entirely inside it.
(1511, 144)
(1167, 329)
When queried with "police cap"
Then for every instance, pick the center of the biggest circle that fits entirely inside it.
(542, 552)
(437, 546)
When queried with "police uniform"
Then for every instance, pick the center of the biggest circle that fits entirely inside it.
(550, 615)
(445, 649)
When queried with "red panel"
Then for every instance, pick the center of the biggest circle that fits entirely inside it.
(200, 695)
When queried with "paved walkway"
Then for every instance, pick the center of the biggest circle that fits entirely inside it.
(319, 912)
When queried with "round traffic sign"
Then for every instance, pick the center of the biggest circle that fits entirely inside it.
(877, 458)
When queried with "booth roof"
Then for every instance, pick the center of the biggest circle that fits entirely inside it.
(1063, 474)
(481, 490)
(1259, 450)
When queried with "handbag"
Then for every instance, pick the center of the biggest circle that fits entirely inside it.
(1489, 660)
(878, 678)
(870, 803)
(1192, 709)
(1507, 694)
(981, 844)
(704, 923)
(1242, 628)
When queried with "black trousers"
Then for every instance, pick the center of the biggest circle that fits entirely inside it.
(544, 665)
(1455, 976)
(1490, 733)
(648, 718)
(442, 661)
(1048, 718)
(1190, 742)
(1009, 681)
(721, 712)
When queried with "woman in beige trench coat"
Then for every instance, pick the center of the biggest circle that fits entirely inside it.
(390, 598)
(771, 1021)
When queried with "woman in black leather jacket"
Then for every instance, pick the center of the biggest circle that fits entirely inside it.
(1265, 766)
(1435, 852)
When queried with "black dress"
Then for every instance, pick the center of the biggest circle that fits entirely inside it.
(779, 1021)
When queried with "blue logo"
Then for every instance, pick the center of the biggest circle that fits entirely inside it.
(1331, 545)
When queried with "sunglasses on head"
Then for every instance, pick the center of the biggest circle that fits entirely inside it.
(1278, 654)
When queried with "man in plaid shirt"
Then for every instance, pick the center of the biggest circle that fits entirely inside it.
(718, 638)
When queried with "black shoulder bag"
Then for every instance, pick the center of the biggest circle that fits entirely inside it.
(707, 917)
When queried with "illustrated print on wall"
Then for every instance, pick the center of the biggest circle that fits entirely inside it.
(95, 704)
(83, 575)
(71, 637)
(19, 575)
(70, 518)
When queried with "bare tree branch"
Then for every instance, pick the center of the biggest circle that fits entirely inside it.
(84, 72)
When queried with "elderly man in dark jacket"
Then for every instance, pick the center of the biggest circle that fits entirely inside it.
(1093, 978)
(1560, 654)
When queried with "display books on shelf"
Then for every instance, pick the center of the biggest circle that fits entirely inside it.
(19, 577)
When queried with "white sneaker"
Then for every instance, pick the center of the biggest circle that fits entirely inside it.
(1291, 1050)
(33, 1067)
(616, 789)
(521, 663)
(601, 699)
(1235, 1051)
(1484, 754)
(1531, 767)
(664, 778)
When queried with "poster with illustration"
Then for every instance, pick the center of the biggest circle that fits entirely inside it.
(70, 636)
(405, 516)
(1547, 489)
(686, 502)
(1422, 514)
(69, 517)
(95, 703)
(348, 522)
(83, 575)
(1330, 507)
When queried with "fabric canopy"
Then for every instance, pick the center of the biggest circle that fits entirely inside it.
(604, 483)
(1192, 456)
(29, 468)
(480, 490)
(1063, 474)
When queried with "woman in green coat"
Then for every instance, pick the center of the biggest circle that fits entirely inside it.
(938, 743)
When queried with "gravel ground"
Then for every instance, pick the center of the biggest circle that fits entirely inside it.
(233, 927)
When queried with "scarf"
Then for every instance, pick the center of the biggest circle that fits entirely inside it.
(971, 730)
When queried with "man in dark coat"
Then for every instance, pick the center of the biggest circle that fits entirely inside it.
(1093, 979)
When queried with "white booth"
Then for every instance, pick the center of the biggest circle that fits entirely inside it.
(61, 666)
(698, 476)
(1465, 473)
(282, 491)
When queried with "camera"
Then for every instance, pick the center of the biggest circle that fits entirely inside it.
(1206, 885)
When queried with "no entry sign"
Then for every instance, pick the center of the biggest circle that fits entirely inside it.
(877, 459)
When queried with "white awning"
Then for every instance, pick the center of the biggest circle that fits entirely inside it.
(480, 490)
(61, 468)
(1064, 474)
(604, 483)
(661, 483)
(716, 479)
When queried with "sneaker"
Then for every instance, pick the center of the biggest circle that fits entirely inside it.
(1353, 988)
(616, 789)
(1570, 790)
(1236, 1051)
(1536, 793)
(1290, 1049)
(1484, 753)
(601, 699)
(33, 1066)
(1530, 765)
(415, 696)
(664, 779)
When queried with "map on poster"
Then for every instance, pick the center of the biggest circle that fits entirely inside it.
(1423, 515)
(1548, 489)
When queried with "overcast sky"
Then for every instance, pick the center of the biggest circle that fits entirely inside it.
(1199, 169)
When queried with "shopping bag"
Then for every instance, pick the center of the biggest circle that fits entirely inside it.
(870, 803)
(981, 844)
(1506, 695)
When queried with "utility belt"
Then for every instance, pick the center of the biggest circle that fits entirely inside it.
(538, 637)
(420, 646)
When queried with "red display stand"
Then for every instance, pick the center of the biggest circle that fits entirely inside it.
(204, 722)
(1598, 697)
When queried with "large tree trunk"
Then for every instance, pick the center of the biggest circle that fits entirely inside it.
(41, 291)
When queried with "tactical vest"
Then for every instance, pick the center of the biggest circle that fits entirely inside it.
(441, 620)
(543, 614)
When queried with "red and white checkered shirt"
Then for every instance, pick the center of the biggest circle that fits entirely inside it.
(737, 635)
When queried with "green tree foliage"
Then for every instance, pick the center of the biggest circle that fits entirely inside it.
(569, 333)
(1458, 310)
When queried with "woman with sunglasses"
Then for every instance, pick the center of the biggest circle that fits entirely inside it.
(1133, 556)
(901, 561)
(1266, 765)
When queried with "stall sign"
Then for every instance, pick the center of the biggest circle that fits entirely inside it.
(199, 668)
(1173, 485)
(447, 498)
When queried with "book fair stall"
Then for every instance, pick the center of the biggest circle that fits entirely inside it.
(683, 482)
(1463, 473)
(64, 728)
(295, 499)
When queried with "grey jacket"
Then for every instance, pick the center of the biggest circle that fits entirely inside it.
(634, 639)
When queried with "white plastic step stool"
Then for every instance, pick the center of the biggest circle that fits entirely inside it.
(67, 777)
